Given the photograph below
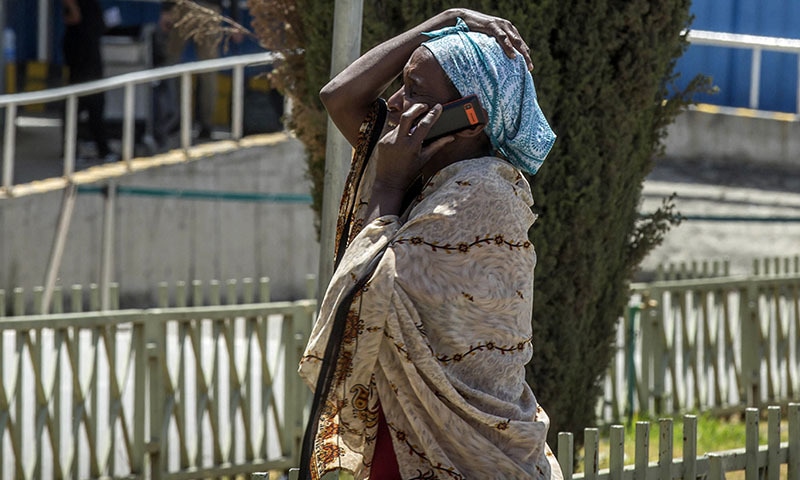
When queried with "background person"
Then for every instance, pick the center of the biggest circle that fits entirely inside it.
(171, 43)
(417, 357)
(84, 28)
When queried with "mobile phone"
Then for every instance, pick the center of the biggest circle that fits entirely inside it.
(457, 115)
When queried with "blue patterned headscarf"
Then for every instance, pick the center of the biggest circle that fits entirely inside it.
(476, 64)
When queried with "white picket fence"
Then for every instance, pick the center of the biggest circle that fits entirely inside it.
(706, 344)
(203, 386)
(773, 461)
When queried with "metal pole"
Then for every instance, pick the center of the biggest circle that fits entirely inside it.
(128, 112)
(57, 252)
(186, 111)
(107, 261)
(237, 102)
(345, 49)
(9, 137)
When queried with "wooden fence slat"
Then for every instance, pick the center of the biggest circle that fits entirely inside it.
(689, 446)
(94, 297)
(715, 470)
(616, 452)
(794, 442)
(18, 302)
(565, 452)
(773, 443)
(647, 351)
(751, 444)
(795, 378)
(247, 290)
(665, 449)
(264, 294)
(162, 295)
(76, 298)
(591, 460)
(750, 330)
(197, 293)
(660, 348)
(57, 306)
(231, 294)
(180, 294)
(642, 451)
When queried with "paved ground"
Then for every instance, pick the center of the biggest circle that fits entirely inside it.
(741, 192)
(735, 189)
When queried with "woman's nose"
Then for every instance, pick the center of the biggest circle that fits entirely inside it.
(396, 101)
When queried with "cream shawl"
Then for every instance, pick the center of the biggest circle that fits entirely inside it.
(440, 334)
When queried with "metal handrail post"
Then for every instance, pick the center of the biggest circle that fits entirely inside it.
(186, 110)
(237, 102)
(107, 262)
(755, 77)
(9, 137)
(70, 135)
(127, 124)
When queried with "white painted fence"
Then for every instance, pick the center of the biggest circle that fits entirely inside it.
(772, 461)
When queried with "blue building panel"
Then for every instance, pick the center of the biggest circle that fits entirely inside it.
(730, 68)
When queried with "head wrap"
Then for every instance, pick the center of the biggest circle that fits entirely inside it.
(476, 64)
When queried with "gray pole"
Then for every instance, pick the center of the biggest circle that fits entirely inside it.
(346, 48)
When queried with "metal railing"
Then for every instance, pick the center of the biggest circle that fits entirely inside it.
(757, 45)
(128, 82)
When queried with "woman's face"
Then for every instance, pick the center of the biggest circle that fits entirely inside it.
(424, 81)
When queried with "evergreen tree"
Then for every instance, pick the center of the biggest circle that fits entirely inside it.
(603, 70)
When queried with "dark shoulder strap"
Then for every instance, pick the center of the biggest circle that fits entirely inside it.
(328, 366)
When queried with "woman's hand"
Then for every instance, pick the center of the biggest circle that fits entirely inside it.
(400, 155)
(502, 30)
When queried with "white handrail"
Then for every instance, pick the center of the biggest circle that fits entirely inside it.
(135, 78)
(127, 81)
(757, 44)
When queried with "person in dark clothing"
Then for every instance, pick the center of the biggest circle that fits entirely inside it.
(84, 28)
(172, 42)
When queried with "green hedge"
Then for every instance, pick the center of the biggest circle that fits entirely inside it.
(603, 70)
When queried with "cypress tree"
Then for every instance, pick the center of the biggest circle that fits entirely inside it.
(603, 72)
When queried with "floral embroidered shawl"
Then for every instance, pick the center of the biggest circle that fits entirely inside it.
(439, 335)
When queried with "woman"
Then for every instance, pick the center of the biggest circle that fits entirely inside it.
(418, 355)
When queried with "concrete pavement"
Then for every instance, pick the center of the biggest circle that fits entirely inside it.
(729, 188)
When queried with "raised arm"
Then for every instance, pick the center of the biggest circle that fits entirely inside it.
(349, 96)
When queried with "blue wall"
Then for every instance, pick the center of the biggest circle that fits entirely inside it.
(730, 68)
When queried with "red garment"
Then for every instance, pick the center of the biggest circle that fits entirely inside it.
(384, 461)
